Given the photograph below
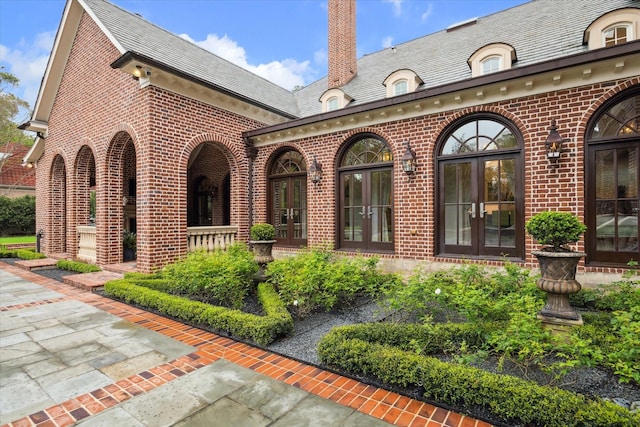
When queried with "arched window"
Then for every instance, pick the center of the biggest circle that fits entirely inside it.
(491, 65)
(612, 205)
(480, 189)
(288, 198)
(332, 104)
(400, 87)
(365, 207)
(616, 35)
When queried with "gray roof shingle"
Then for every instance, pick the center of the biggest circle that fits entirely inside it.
(144, 38)
(539, 30)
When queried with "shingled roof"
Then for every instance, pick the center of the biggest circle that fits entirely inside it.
(12, 173)
(539, 31)
(132, 33)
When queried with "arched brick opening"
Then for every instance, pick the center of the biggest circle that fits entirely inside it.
(56, 242)
(117, 195)
(208, 186)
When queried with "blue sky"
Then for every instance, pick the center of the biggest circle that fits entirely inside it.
(284, 41)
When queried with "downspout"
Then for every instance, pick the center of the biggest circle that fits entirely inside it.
(252, 153)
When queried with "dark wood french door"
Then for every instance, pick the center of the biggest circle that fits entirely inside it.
(366, 218)
(478, 209)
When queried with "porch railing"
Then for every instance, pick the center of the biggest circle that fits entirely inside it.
(211, 238)
(87, 243)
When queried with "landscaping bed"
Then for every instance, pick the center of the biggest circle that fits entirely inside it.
(466, 339)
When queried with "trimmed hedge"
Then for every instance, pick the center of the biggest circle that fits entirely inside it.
(370, 350)
(80, 267)
(260, 329)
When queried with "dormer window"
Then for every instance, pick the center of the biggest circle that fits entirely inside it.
(616, 35)
(491, 58)
(401, 81)
(334, 99)
(332, 104)
(613, 28)
(491, 65)
(400, 87)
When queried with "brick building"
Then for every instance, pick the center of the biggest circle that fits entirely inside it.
(437, 149)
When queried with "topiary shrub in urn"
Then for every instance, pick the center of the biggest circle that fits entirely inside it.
(262, 237)
(558, 262)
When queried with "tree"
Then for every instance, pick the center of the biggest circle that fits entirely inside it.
(10, 106)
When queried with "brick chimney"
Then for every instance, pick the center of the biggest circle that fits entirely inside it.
(342, 42)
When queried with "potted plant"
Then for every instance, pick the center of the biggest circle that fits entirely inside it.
(262, 237)
(129, 243)
(558, 262)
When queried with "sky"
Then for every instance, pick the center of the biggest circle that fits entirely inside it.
(284, 41)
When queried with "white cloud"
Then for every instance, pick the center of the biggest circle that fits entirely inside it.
(28, 62)
(397, 6)
(287, 73)
(387, 42)
(427, 13)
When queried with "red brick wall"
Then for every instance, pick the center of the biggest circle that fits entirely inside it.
(414, 199)
(104, 110)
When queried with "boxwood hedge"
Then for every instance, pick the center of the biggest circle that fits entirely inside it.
(148, 292)
(374, 350)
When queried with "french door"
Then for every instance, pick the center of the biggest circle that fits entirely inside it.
(613, 202)
(478, 209)
(289, 201)
(366, 209)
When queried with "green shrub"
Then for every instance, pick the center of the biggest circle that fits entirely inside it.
(317, 279)
(555, 229)
(262, 231)
(80, 267)
(29, 254)
(261, 329)
(8, 253)
(504, 305)
(17, 215)
(220, 277)
(513, 400)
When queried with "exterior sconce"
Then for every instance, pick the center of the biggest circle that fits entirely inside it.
(409, 164)
(315, 171)
(139, 73)
(553, 144)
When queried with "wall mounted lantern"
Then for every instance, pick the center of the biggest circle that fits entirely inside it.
(409, 161)
(553, 144)
(315, 171)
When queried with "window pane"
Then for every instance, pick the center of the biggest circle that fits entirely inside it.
(605, 226)
(288, 162)
(491, 65)
(367, 151)
(332, 104)
(620, 120)
(400, 87)
(479, 135)
(605, 175)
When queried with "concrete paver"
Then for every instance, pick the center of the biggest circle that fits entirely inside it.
(71, 357)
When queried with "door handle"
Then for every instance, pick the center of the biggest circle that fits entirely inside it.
(370, 212)
(472, 211)
(362, 212)
(482, 211)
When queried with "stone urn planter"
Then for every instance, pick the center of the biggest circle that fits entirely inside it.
(262, 239)
(558, 271)
(558, 264)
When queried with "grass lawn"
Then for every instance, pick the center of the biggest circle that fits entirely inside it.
(17, 239)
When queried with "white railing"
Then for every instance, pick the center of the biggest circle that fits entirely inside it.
(211, 238)
(87, 243)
